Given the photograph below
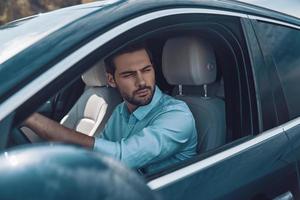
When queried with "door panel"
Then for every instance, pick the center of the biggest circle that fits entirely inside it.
(263, 170)
(280, 45)
(293, 133)
(294, 137)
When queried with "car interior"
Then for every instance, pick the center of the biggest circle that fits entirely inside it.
(198, 66)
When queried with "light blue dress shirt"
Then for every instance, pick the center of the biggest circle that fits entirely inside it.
(153, 137)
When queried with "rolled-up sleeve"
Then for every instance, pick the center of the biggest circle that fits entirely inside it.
(165, 136)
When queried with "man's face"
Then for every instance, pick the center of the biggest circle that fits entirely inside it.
(134, 78)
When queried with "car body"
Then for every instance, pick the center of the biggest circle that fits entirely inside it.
(258, 55)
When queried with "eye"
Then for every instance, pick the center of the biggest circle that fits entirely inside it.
(148, 69)
(127, 75)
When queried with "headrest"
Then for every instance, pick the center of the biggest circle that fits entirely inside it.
(95, 76)
(188, 60)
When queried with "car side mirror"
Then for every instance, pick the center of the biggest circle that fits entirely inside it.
(59, 171)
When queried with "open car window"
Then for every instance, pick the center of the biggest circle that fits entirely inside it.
(232, 61)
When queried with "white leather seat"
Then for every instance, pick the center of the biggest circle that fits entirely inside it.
(92, 110)
(94, 107)
(190, 61)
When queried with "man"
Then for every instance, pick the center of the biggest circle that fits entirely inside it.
(149, 129)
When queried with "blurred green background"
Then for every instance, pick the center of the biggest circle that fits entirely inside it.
(15, 9)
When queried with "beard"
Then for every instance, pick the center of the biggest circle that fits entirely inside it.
(139, 100)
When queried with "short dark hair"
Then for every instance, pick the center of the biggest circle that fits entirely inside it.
(110, 66)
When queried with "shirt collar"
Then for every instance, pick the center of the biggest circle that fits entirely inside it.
(142, 111)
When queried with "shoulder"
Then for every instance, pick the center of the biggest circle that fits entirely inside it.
(174, 115)
(169, 103)
(172, 110)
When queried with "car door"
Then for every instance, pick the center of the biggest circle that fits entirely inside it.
(248, 167)
(257, 169)
(254, 167)
(282, 42)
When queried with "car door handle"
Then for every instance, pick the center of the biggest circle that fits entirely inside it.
(285, 196)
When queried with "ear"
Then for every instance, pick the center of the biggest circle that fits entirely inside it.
(110, 80)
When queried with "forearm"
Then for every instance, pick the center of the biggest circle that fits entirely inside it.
(51, 130)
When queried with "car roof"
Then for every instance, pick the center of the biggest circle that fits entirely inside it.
(288, 7)
(85, 22)
(63, 17)
(29, 30)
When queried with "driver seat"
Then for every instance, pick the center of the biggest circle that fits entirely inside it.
(92, 110)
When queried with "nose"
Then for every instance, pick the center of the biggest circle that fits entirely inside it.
(140, 81)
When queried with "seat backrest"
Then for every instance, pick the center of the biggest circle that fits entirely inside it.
(91, 111)
(190, 61)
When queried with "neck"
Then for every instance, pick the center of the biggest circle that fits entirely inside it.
(131, 108)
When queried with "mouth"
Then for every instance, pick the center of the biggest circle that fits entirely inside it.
(142, 92)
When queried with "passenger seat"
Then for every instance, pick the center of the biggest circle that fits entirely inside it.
(190, 61)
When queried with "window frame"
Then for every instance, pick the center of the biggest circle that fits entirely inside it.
(77, 62)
